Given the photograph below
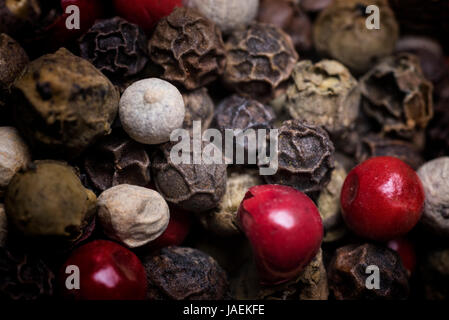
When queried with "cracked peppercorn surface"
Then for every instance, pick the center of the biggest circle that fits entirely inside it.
(179, 273)
(260, 59)
(189, 48)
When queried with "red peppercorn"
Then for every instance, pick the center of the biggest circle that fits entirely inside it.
(107, 271)
(145, 13)
(406, 251)
(284, 228)
(177, 230)
(382, 198)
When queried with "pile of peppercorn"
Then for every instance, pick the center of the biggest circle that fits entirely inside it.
(93, 206)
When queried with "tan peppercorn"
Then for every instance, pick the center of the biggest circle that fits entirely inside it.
(14, 155)
(132, 215)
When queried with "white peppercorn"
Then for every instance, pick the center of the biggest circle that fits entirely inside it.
(435, 179)
(3, 225)
(132, 215)
(14, 155)
(227, 14)
(150, 110)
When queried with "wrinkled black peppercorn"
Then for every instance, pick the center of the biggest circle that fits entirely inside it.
(199, 107)
(116, 160)
(178, 273)
(305, 156)
(24, 276)
(347, 273)
(116, 47)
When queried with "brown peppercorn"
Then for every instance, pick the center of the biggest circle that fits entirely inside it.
(305, 157)
(435, 274)
(199, 107)
(18, 17)
(116, 47)
(324, 94)
(260, 59)
(24, 276)
(13, 60)
(189, 48)
(396, 95)
(117, 159)
(195, 187)
(288, 16)
(64, 104)
(377, 146)
(341, 33)
(347, 273)
(311, 284)
(178, 273)
(222, 220)
(434, 176)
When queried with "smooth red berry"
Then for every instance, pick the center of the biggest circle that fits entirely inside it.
(284, 228)
(177, 230)
(107, 271)
(406, 251)
(145, 13)
(382, 199)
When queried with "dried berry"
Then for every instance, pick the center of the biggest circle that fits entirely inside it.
(150, 110)
(435, 274)
(377, 146)
(194, 187)
(222, 221)
(116, 47)
(305, 156)
(434, 176)
(324, 94)
(260, 60)
(189, 48)
(329, 200)
(24, 276)
(184, 274)
(13, 60)
(347, 273)
(227, 14)
(18, 17)
(199, 107)
(64, 104)
(48, 201)
(396, 94)
(132, 215)
(15, 155)
(115, 160)
(3, 225)
(287, 15)
(341, 33)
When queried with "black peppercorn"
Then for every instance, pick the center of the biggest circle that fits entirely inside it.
(17, 18)
(24, 276)
(199, 107)
(377, 146)
(115, 160)
(435, 274)
(116, 47)
(259, 62)
(184, 274)
(396, 95)
(194, 187)
(189, 48)
(305, 157)
(347, 273)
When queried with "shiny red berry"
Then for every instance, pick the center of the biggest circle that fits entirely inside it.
(406, 251)
(284, 228)
(107, 271)
(177, 230)
(382, 199)
(145, 13)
